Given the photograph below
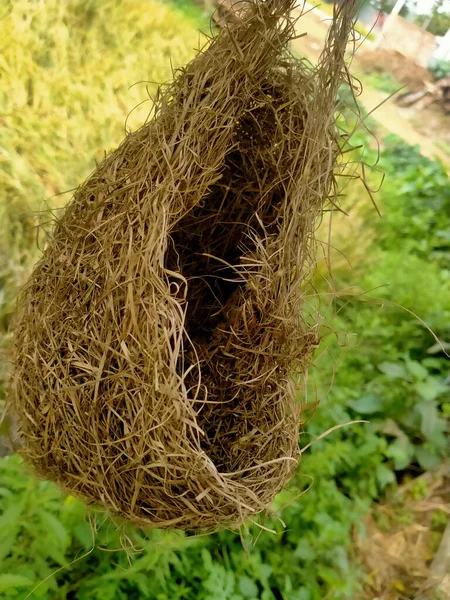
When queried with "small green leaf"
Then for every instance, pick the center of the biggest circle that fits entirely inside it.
(248, 587)
(401, 451)
(11, 516)
(390, 427)
(55, 528)
(431, 425)
(9, 581)
(328, 574)
(430, 389)
(416, 369)
(427, 459)
(303, 594)
(367, 405)
(385, 476)
(57, 556)
(304, 550)
(83, 534)
(207, 559)
(439, 347)
(9, 527)
(264, 572)
(393, 370)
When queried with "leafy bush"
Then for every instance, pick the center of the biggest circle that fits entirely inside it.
(383, 81)
(440, 68)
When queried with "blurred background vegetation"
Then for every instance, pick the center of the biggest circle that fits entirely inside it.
(67, 71)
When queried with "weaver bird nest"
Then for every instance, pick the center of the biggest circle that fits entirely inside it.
(160, 335)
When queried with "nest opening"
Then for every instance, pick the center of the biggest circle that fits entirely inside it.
(211, 247)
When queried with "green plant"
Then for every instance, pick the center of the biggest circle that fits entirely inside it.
(444, 146)
(440, 68)
(383, 81)
(49, 544)
(438, 22)
(439, 519)
(364, 32)
(403, 372)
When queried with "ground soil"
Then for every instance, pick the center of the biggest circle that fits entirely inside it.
(429, 128)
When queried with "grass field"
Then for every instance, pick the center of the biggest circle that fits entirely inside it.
(74, 75)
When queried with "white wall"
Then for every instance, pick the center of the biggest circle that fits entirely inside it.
(443, 50)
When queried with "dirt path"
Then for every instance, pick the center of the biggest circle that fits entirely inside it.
(391, 117)
(395, 120)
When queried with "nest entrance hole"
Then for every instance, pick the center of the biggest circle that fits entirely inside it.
(208, 247)
(209, 243)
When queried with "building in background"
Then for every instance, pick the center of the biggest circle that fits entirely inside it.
(442, 51)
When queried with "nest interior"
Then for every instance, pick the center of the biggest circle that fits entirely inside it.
(159, 336)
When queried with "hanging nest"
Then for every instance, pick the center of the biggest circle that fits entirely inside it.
(160, 335)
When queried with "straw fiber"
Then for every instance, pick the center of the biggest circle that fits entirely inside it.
(159, 337)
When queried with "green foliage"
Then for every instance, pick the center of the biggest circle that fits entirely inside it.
(47, 542)
(440, 68)
(387, 368)
(403, 372)
(383, 81)
(364, 32)
(438, 24)
(386, 6)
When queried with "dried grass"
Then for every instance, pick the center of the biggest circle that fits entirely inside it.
(159, 336)
(401, 538)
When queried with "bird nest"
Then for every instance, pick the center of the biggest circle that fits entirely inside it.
(159, 338)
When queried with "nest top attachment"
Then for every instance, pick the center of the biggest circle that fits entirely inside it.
(159, 337)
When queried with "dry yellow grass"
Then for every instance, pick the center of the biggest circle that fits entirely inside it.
(65, 72)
